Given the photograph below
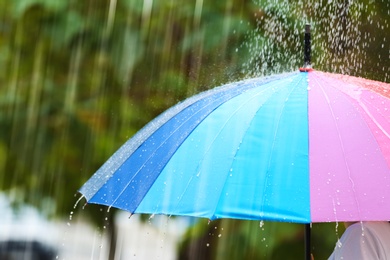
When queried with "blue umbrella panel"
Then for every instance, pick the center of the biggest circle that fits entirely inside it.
(238, 151)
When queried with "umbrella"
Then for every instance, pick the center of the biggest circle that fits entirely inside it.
(298, 147)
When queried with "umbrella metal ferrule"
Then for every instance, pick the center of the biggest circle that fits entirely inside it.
(307, 51)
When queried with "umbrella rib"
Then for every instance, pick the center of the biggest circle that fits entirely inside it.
(225, 181)
(154, 152)
(270, 157)
(381, 128)
(228, 119)
(365, 108)
(112, 165)
(105, 172)
(363, 105)
(373, 119)
(342, 147)
(253, 97)
(215, 138)
(162, 143)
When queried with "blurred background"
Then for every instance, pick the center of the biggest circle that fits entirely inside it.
(78, 78)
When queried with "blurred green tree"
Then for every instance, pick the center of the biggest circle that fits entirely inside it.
(81, 77)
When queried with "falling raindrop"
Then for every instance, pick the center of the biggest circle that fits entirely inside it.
(77, 202)
(338, 243)
(261, 224)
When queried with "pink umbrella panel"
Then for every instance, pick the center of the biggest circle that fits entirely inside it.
(349, 133)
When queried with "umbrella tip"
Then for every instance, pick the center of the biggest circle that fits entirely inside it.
(307, 28)
(307, 51)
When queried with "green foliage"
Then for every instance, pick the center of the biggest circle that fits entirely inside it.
(242, 239)
(348, 37)
(82, 77)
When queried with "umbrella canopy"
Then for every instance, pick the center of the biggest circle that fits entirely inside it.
(300, 147)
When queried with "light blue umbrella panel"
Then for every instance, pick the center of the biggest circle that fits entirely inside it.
(237, 151)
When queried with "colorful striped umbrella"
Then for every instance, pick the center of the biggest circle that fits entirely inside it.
(299, 147)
